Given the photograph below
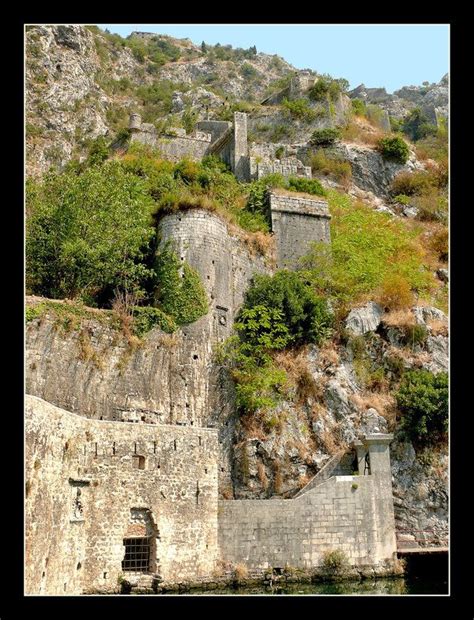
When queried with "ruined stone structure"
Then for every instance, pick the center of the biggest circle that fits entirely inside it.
(297, 221)
(228, 141)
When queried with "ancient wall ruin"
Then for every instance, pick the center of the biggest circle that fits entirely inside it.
(92, 484)
(174, 144)
(297, 221)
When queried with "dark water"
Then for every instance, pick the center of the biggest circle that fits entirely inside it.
(425, 574)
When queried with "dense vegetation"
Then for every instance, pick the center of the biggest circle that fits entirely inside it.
(280, 311)
(371, 254)
(394, 148)
(423, 400)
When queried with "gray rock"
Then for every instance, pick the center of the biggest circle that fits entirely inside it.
(438, 346)
(443, 275)
(409, 211)
(337, 400)
(364, 319)
(423, 314)
(177, 103)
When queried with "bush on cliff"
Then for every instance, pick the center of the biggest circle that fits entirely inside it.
(423, 400)
(304, 316)
(325, 137)
(394, 148)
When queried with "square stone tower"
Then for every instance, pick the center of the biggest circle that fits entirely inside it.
(297, 221)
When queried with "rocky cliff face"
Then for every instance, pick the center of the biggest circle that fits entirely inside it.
(79, 86)
(433, 99)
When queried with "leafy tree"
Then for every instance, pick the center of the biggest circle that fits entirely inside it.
(203, 48)
(416, 125)
(263, 328)
(423, 400)
(88, 233)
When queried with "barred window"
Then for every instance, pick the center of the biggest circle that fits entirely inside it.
(137, 555)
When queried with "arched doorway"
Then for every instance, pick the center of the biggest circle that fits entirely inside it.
(140, 542)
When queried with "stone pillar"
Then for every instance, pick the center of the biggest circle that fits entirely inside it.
(378, 446)
(361, 454)
(241, 160)
(135, 122)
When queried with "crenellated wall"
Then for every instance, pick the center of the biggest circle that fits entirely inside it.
(133, 480)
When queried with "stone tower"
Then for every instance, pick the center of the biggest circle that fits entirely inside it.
(297, 221)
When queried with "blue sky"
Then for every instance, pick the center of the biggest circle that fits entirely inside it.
(380, 55)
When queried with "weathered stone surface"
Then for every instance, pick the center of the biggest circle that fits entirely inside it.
(364, 319)
(296, 223)
(75, 545)
(370, 171)
(343, 513)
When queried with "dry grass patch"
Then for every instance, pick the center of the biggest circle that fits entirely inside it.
(262, 475)
(296, 366)
(383, 402)
(360, 131)
(399, 318)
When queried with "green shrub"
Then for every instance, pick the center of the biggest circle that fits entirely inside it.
(33, 312)
(325, 137)
(402, 199)
(280, 151)
(412, 183)
(416, 126)
(258, 386)
(146, 318)
(180, 293)
(394, 148)
(248, 71)
(299, 109)
(262, 328)
(335, 562)
(304, 314)
(358, 107)
(88, 233)
(309, 186)
(423, 400)
(331, 165)
(325, 88)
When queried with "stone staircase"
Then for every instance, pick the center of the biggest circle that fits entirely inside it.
(338, 465)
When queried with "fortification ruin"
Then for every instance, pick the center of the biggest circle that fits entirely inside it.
(124, 466)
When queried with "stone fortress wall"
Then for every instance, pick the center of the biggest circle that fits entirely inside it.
(100, 485)
(297, 221)
(92, 484)
(351, 513)
(121, 443)
(228, 141)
